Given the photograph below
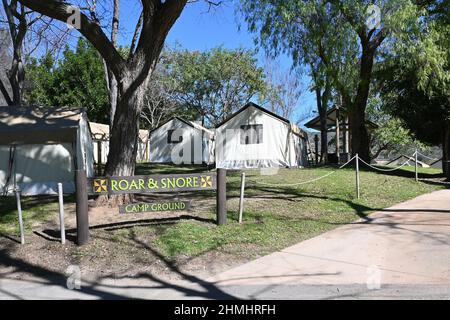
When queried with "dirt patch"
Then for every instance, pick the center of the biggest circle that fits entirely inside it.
(120, 245)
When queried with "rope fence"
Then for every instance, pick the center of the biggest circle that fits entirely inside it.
(303, 182)
(388, 170)
(358, 159)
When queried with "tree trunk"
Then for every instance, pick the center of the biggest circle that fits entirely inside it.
(360, 136)
(17, 78)
(18, 27)
(123, 144)
(323, 126)
(111, 79)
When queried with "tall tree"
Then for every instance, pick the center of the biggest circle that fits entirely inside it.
(283, 90)
(131, 74)
(75, 80)
(28, 31)
(416, 80)
(215, 83)
(339, 32)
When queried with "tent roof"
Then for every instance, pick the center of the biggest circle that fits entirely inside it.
(189, 123)
(19, 125)
(100, 131)
(295, 129)
(331, 121)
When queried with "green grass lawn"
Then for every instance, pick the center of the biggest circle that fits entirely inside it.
(35, 210)
(275, 215)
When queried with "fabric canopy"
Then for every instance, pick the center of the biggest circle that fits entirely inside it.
(28, 125)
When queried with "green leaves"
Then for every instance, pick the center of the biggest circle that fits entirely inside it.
(214, 83)
(77, 80)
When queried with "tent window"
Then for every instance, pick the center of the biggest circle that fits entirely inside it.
(171, 140)
(252, 134)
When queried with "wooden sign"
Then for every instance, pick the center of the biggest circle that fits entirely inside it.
(151, 184)
(158, 206)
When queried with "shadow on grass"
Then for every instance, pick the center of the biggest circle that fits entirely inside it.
(155, 168)
(54, 235)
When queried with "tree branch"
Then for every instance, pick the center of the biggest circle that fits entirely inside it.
(5, 93)
(88, 28)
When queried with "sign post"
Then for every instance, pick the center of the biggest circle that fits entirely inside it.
(82, 207)
(144, 185)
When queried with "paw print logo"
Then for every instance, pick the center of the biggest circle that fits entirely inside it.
(206, 182)
(100, 185)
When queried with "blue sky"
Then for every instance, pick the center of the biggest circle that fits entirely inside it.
(200, 29)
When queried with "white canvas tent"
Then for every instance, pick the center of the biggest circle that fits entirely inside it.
(40, 147)
(181, 141)
(100, 138)
(254, 137)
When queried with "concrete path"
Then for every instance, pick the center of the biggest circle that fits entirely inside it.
(402, 252)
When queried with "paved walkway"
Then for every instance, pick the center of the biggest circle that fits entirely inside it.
(403, 251)
(400, 252)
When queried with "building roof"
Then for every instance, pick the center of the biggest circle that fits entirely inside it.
(295, 129)
(189, 123)
(100, 131)
(331, 121)
(31, 124)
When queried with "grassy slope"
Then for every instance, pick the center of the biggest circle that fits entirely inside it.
(274, 216)
(277, 216)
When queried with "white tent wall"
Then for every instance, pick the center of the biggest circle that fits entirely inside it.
(280, 147)
(299, 152)
(143, 150)
(104, 145)
(195, 144)
(38, 167)
(272, 152)
(100, 137)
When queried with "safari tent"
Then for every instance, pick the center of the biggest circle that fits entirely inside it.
(40, 147)
(181, 141)
(100, 139)
(254, 137)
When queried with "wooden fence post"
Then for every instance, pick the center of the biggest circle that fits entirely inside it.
(221, 196)
(82, 207)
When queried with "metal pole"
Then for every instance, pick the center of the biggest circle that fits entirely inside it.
(82, 208)
(221, 196)
(415, 160)
(19, 209)
(241, 200)
(61, 213)
(357, 176)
